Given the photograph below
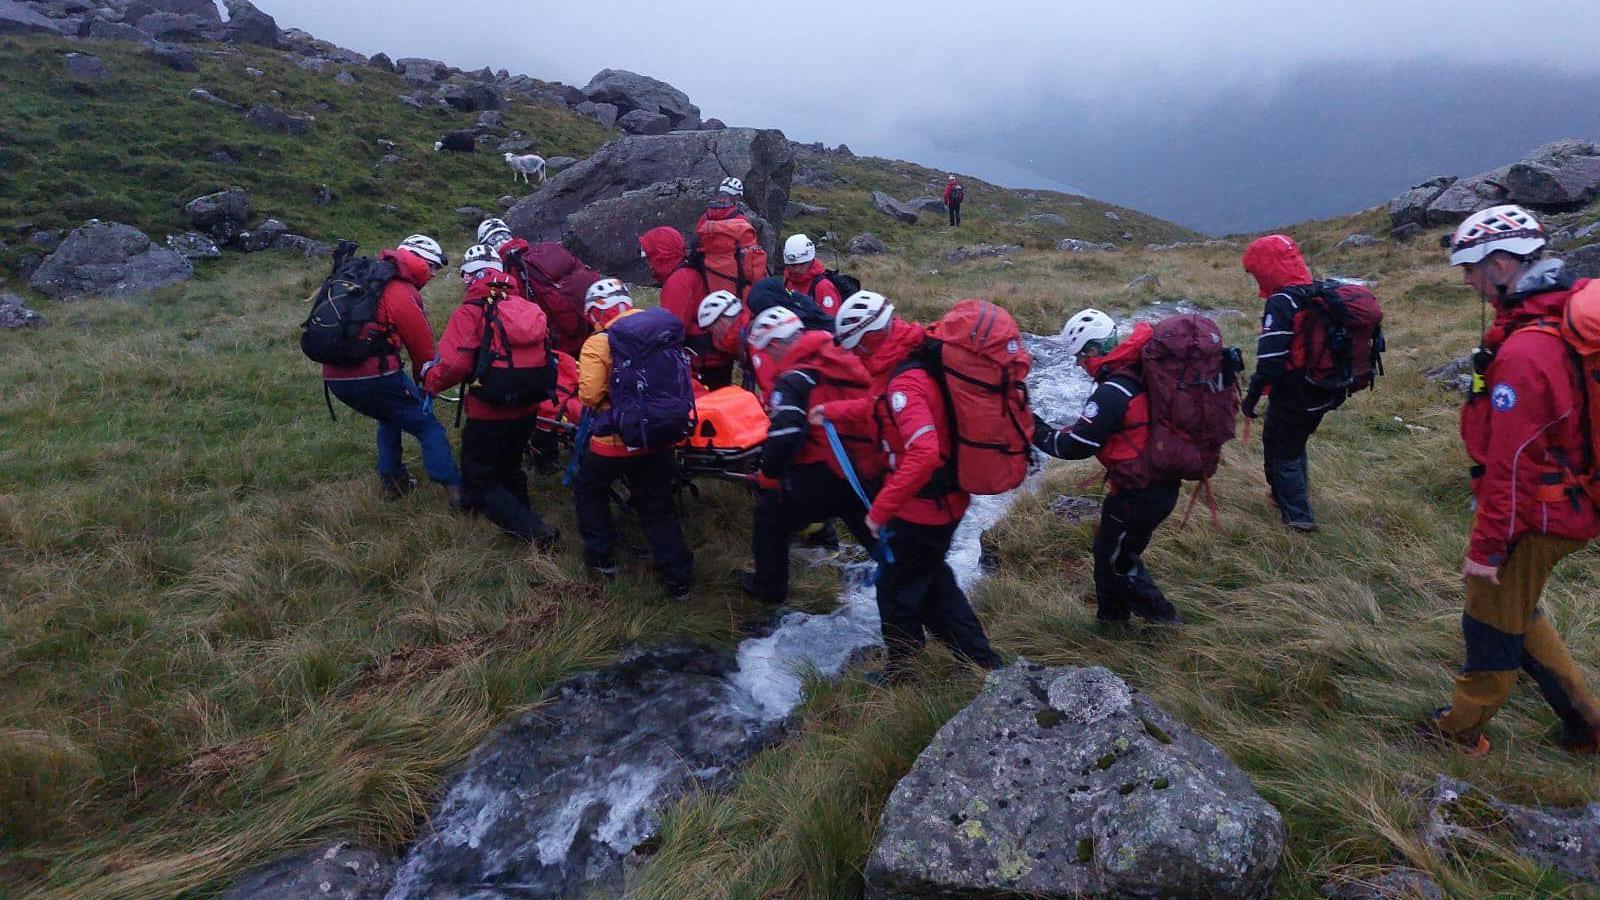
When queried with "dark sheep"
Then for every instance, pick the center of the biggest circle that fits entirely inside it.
(457, 142)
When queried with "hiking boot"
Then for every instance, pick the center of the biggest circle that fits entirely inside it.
(678, 593)
(452, 493)
(1303, 526)
(826, 537)
(397, 486)
(746, 580)
(1472, 745)
(603, 569)
(1579, 743)
(548, 538)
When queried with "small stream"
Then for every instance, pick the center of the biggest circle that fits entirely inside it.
(566, 798)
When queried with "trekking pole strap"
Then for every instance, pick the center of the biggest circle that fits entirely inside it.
(881, 553)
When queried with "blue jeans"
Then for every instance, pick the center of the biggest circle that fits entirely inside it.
(396, 404)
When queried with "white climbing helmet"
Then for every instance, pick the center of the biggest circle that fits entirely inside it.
(1507, 228)
(427, 249)
(494, 232)
(732, 187)
(717, 305)
(1086, 327)
(479, 258)
(607, 293)
(860, 313)
(775, 323)
(798, 250)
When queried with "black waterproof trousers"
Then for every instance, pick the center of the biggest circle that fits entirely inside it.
(918, 592)
(492, 480)
(955, 214)
(650, 480)
(1283, 448)
(811, 493)
(1122, 584)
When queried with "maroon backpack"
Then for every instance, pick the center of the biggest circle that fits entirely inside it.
(557, 281)
(1338, 343)
(1191, 382)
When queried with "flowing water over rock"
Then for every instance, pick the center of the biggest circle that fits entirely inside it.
(563, 797)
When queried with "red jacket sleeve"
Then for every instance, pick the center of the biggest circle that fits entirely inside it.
(947, 189)
(828, 297)
(918, 453)
(402, 308)
(458, 350)
(1528, 396)
(854, 415)
(680, 295)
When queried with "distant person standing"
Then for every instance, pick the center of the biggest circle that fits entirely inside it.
(954, 193)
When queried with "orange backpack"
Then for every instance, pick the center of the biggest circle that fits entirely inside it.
(730, 256)
(1580, 329)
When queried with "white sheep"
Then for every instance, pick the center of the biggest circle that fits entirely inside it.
(532, 164)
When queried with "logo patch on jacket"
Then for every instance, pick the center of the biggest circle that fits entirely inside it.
(897, 401)
(1266, 322)
(777, 399)
(1090, 410)
(1504, 397)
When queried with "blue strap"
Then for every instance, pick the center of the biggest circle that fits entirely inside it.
(881, 552)
(580, 445)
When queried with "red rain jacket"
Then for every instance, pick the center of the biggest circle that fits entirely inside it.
(827, 296)
(882, 351)
(682, 288)
(1524, 432)
(918, 439)
(458, 354)
(1276, 263)
(400, 313)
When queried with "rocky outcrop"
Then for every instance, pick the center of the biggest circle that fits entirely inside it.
(178, 59)
(1074, 245)
(1356, 242)
(15, 314)
(865, 244)
(1065, 782)
(193, 245)
(1390, 884)
(603, 113)
(1075, 510)
(640, 121)
(222, 215)
(249, 25)
(630, 91)
(1411, 207)
(107, 259)
(20, 18)
(1557, 177)
(1584, 262)
(472, 97)
(84, 67)
(338, 871)
(560, 796)
(1565, 840)
(763, 159)
(928, 204)
(606, 233)
(261, 237)
(981, 251)
(893, 208)
(271, 118)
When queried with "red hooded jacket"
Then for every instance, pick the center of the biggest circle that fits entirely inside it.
(1128, 442)
(1526, 431)
(827, 296)
(917, 437)
(682, 288)
(1275, 262)
(400, 313)
(882, 351)
(458, 353)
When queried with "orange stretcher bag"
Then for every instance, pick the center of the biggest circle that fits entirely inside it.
(729, 418)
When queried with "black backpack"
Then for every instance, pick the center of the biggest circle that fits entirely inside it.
(958, 194)
(844, 283)
(343, 307)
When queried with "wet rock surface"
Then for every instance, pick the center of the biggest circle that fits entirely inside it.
(1065, 782)
(337, 871)
(560, 795)
(1454, 812)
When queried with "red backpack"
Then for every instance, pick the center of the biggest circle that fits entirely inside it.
(840, 376)
(557, 281)
(1338, 342)
(975, 354)
(1192, 388)
(730, 256)
(513, 364)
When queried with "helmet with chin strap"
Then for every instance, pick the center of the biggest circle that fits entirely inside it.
(1090, 330)
(1499, 229)
(860, 314)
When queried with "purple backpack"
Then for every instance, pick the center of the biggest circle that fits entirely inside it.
(652, 399)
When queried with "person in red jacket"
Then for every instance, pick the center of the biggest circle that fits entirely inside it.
(379, 388)
(1523, 426)
(492, 442)
(803, 273)
(954, 194)
(915, 514)
(1113, 428)
(724, 204)
(682, 289)
(867, 325)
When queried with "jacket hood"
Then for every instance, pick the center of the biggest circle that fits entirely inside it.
(721, 209)
(664, 249)
(803, 280)
(893, 345)
(412, 267)
(1276, 263)
(1123, 357)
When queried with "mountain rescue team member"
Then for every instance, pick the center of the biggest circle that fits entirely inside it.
(682, 289)
(915, 513)
(497, 234)
(492, 441)
(563, 406)
(724, 204)
(722, 320)
(379, 388)
(1294, 407)
(649, 474)
(954, 193)
(866, 325)
(798, 486)
(1522, 429)
(1113, 428)
(803, 273)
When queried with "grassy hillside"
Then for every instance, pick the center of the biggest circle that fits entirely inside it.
(135, 147)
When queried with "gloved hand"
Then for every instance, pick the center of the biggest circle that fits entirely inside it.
(767, 483)
(1044, 434)
(422, 374)
(1252, 398)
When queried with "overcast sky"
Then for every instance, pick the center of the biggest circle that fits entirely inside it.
(920, 80)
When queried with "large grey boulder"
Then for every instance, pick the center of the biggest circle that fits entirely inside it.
(1065, 782)
(84, 67)
(261, 237)
(205, 9)
(166, 26)
(421, 70)
(1468, 195)
(271, 118)
(1584, 262)
(101, 30)
(178, 59)
(928, 204)
(1075, 245)
(221, 215)
(560, 796)
(763, 159)
(194, 245)
(603, 113)
(982, 251)
(605, 234)
(1454, 812)
(632, 91)
(1558, 176)
(21, 18)
(337, 871)
(640, 121)
(865, 244)
(893, 208)
(472, 97)
(107, 259)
